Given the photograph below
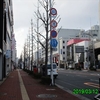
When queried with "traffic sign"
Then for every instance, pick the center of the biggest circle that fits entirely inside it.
(53, 11)
(53, 43)
(53, 24)
(53, 33)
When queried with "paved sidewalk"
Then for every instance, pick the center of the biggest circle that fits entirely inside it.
(20, 85)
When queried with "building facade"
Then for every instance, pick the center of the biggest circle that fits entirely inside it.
(6, 30)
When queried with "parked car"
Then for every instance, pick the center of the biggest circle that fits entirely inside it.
(55, 69)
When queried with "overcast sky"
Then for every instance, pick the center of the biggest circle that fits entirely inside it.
(74, 14)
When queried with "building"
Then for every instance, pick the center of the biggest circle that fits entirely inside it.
(6, 30)
(83, 49)
(64, 35)
(76, 51)
(13, 51)
(9, 33)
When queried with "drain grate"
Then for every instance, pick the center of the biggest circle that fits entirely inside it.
(46, 96)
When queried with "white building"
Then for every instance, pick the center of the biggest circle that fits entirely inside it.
(9, 32)
(13, 51)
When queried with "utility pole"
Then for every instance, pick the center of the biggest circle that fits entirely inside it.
(32, 43)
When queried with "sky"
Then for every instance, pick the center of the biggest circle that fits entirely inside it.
(74, 14)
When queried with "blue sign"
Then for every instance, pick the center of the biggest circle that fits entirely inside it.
(8, 53)
(53, 43)
(53, 33)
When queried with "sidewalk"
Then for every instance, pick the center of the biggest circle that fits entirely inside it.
(20, 86)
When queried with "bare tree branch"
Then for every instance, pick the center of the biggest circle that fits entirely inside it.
(59, 29)
(39, 42)
(39, 34)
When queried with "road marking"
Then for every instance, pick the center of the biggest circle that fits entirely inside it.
(23, 90)
(92, 84)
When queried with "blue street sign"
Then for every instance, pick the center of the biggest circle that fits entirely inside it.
(53, 33)
(53, 43)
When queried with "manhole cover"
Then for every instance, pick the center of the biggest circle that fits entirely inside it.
(46, 96)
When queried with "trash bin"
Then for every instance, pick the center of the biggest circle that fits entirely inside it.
(35, 70)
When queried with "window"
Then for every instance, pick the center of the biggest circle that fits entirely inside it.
(94, 34)
(63, 52)
(63, 47)
(63, 41)
(63, 58)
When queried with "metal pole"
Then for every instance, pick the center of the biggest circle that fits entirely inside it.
(52, 82)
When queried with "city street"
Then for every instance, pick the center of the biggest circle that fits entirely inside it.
(74, 80)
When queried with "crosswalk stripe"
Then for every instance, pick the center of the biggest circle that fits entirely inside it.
(92, 84)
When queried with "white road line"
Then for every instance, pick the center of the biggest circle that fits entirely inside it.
(23, 90)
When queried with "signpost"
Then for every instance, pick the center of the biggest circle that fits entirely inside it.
(53, 34)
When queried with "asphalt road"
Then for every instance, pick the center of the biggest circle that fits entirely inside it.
(83, 83)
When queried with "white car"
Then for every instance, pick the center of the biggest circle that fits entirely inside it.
(55, 70)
